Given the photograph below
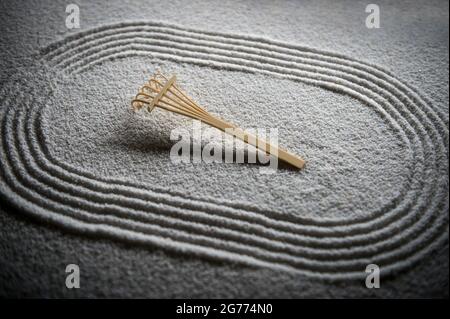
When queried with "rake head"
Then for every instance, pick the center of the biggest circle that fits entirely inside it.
(162, 92)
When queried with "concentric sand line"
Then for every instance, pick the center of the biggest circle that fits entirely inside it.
(444, 135)
(320, 234)
(277, 257)
(193, 217)
(395, 236)
(245, 43)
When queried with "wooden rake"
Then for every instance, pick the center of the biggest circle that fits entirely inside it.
(162, 92)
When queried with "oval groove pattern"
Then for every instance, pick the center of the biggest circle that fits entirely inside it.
(395, 236)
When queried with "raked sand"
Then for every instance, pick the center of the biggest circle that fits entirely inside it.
(367, 109)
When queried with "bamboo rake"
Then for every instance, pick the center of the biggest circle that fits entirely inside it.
(162, 92)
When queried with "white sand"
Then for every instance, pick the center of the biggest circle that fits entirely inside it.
(368, 109)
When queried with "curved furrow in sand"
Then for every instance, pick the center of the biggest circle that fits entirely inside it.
(406, 229)
(291, 262)
(336, 60)
(153, 52)
(444, 135)
(212, 220)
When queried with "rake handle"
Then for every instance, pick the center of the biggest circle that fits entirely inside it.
(261, 144)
